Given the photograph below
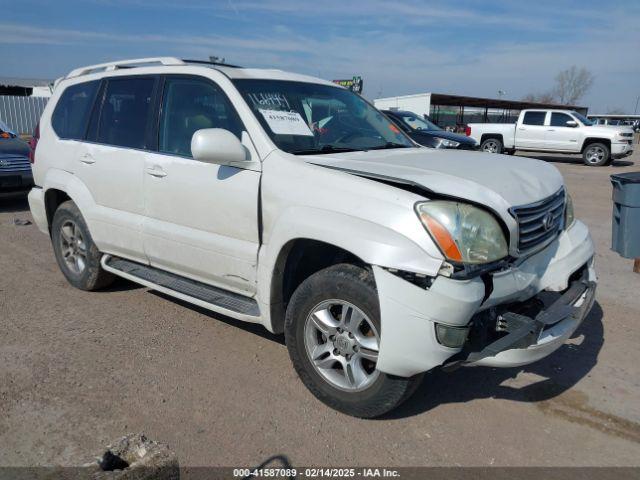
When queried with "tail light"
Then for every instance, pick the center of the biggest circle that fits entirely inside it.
(33, 143)
(467, 131)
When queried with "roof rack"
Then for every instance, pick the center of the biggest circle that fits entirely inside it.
(78, 72)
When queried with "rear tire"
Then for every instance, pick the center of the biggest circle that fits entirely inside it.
(491, 145)
(332, 331)
(76, 254)
(596, 155)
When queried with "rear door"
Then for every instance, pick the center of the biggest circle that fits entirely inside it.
(559, 135)
(531, 131)
(201, 218)
(111, 163)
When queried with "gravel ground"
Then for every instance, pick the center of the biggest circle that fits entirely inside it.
(78, 370)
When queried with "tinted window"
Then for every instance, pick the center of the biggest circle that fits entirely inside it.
(560, 119)
(189, 105)
(399, 123)
(69, 119)
(125, 111)
(534, 118)
(416, 123)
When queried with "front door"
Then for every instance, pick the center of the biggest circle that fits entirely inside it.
(201, 219)
(559, 135)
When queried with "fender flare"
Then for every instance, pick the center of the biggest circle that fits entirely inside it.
(74, 188)
(374, 244)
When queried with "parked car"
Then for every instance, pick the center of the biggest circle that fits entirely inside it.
(427, 133)
(556, 131)
(15, 169)
(288, 201)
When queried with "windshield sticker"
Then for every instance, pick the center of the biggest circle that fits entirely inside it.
(270, 100)
(286, 123)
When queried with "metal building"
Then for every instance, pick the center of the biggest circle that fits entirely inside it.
(22, 102)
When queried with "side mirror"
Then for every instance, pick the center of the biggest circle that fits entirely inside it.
(571, 123)
(215, 145)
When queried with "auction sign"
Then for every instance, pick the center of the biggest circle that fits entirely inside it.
(355, 84)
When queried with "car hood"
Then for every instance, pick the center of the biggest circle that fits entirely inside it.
(13, 146)
(608, 130)
(497, 181)
(456, 137)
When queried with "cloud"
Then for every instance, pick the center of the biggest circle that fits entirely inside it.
(398, 48)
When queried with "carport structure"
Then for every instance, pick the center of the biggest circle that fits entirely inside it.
(458, 110)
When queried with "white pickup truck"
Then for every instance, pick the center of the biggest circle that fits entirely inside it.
(557, 131)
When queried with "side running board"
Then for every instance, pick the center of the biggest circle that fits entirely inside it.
(198, 293)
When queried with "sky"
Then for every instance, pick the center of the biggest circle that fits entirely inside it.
(399, 47)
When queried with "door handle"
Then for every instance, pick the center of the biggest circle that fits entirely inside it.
(551, 130)
(88, 159)
(521, 128)
(156, 172)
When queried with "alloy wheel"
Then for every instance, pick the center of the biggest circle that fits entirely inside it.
(595, 154)
(343, 345)
(491, 147)
(73, 247)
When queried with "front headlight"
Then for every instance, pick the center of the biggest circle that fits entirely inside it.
(444, 143)
(569, 217)
(464, 233)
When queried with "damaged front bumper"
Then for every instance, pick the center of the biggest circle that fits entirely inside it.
(512, 338)
(512, 309)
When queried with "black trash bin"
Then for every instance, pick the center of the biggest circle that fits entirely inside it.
(626, 214)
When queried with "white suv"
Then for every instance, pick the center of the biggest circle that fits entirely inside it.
(289, 201)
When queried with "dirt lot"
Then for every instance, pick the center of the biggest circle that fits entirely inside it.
(80, 369)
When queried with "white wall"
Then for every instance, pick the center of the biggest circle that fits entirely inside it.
(419, 104)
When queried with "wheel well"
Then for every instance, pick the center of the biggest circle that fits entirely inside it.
(487, 136)
(52, 200)
(298, 260)
(589, 141)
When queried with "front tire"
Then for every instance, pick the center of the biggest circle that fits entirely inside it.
(596, 155)
(332, 331)
(76, 254)
(491, 145)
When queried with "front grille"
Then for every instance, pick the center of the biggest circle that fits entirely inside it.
(14, 163)
(539, 223)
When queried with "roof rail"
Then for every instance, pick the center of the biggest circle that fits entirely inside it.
(78, 72)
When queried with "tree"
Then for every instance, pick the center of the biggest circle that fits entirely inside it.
(572, 84)
(546, 97)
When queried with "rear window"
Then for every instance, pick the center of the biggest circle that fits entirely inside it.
(125, 112)
(69, 119)
(534, 118)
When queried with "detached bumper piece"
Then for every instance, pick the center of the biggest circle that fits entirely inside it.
(521, 326)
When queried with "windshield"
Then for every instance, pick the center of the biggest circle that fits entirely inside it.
(584, 120)
(308, 118)
(416, 122)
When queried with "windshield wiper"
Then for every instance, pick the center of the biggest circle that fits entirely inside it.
(324, 149)
(389, 145)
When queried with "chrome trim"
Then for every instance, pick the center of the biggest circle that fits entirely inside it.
(533, 213)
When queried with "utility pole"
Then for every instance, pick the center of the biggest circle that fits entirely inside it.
(635, 110)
